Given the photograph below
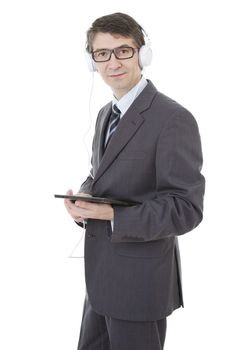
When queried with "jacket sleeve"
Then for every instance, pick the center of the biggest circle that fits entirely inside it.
(178, 204)
(86, 185)
(85, 188)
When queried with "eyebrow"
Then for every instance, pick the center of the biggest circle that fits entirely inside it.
(118, 47)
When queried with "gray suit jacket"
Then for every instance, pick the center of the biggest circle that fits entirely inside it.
(154, 158)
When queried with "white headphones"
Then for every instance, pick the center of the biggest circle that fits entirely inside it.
(145, 54)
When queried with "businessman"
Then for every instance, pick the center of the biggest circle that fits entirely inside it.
(146, 149)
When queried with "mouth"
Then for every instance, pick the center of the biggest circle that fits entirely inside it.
(118, 75)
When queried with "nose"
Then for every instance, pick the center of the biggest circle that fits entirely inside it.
(114, 62)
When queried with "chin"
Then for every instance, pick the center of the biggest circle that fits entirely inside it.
(120, 84)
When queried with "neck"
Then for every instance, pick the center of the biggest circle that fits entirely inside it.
(119, 93)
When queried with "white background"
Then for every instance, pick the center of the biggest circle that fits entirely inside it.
(199, 60)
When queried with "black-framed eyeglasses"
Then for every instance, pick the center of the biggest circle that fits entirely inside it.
(121, 53)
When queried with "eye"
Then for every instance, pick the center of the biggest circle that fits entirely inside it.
(102, 53)
(124, 51)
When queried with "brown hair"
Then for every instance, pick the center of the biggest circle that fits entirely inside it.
(115, 23)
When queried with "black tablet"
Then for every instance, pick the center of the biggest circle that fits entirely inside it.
(92, 199)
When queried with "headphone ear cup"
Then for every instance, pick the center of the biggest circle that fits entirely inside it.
(90, 63)
(145, 55)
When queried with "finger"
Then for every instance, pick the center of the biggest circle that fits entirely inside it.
(81, 204)
(75, 211)
(86, 205)
(67, 204)
(70, 206)
(70, 192)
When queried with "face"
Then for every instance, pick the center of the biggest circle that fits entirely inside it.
(120, 75)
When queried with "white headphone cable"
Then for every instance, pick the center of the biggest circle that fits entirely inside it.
(90, 122)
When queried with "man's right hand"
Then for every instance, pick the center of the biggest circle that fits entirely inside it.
(72, 209)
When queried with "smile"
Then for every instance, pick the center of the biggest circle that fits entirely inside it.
(116, 75)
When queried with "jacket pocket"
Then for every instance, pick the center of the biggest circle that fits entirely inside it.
(150, 249)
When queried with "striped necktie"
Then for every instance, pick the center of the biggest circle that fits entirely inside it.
(113, 123)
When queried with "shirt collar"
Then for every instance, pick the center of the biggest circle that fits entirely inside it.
(125, 102)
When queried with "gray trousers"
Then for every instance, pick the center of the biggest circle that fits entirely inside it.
(100, 332)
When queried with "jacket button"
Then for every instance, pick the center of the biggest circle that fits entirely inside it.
(90, 235)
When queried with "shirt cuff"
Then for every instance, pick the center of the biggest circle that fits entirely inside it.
(112, 225)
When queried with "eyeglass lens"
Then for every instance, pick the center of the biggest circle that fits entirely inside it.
(119, 52)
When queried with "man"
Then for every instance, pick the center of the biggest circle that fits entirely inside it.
(146, 149)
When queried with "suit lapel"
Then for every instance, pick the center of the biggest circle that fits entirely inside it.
(128, 126)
